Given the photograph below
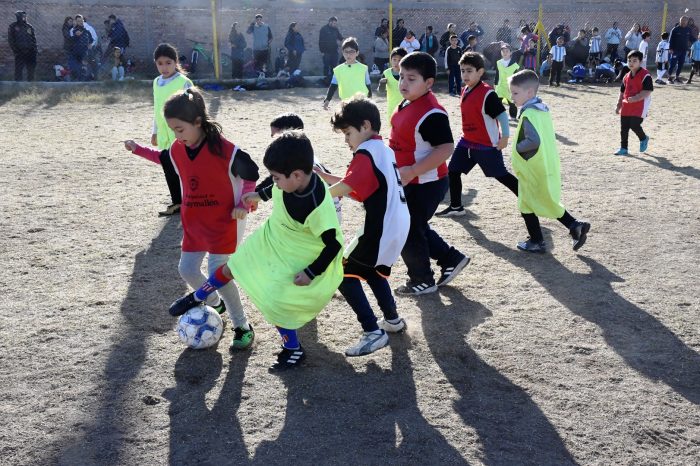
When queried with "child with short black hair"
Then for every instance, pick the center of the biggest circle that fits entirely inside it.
(422, 141)
(558, 55)
(371, 178)
(505, 68)
(452, 56)
(291, 266)
(485, 133)
(535, 160)
(662, 58)
(595, 50)
(633, 102)
(644, 47)
(351, 77)
(391, 79)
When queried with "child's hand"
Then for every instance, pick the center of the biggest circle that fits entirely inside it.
(301, 279)
(617, 109)
(130, 145)
(239, 213)
(407, 174)
(251, 200)
(154, 139)
(502, 143)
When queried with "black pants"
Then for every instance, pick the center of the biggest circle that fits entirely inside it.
(351, 289)
(557, 66)
(294, 61)
(236, 68)
(628, 123)
(612, 51)
(532, 223)
(330, 61)
(171, 177)
(25, 60)
(509, 181)
(261, 57)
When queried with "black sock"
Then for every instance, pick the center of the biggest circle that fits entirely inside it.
(567, 220)
(455, 179)
(532, 223)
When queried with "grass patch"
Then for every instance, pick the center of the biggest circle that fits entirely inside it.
(99, 93)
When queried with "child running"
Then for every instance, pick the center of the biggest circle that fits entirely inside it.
(485, 133)
(633, 102)
(350, 77)
(535, 161)
(391, 79)
(217, 173)
(421, 139)
(371, 178)
(171, 80)
(290, 266)
(289, 121)
(505, 68)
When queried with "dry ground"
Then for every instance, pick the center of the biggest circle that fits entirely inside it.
(589, 358)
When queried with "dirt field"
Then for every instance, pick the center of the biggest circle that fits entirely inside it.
(589, 358)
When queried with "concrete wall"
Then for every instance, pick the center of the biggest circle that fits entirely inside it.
(152, 21)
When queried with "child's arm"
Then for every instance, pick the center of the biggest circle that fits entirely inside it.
(493, 107)
(340, 189)
(327, 177)
(331, 91)
(324, 259)
(145, 152)
(368, 83)
(505, 130)
(528, 140)
(244, 167)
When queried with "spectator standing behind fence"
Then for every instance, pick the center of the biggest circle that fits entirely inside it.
(383, 25)
(381, 50)
(262, 38)
(295, 46)
(695, 57)
(558, 56)
(82, 38)
(644, 47)
(92, 56)
(613, 37)
(328, 39)
(67, 40)
(429, 42)
(238, 45)
(398, 34)
(633, 38)
(22, 41)
(118, 35)
(505, 33)
(410, 43)
(473, 30)
(452, 56)
(679, 43)
(662, 58)
(445, 37)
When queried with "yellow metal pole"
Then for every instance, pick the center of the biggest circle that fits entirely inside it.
(539, 35)
(391, 24)
(215, 39)
(663, 19)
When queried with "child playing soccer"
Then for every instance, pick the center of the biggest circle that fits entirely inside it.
(662, 58)
(350, 77)
(290, 266)
(535, 161)
(216, 174)
(391, 79)
(558, 55)
(171, 80)
(485, 133)
(505, 68)
(421, 139)
(633, 102)
(695, 57)
(371, 178)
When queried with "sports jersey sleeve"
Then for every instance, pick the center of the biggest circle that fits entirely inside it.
(360, 177)
(150, 154)
(328, 253)
(647, 83)
(265, 192)
(493, 106)
(244, 166)
(436, 129)
(528, 142)
(266, 183)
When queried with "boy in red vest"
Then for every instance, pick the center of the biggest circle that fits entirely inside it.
(422, 141)
(485, 133)
(633, 103)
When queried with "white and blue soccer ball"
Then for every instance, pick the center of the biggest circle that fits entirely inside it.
(200, 327)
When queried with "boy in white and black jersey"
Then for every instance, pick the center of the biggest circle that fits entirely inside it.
(373, 179)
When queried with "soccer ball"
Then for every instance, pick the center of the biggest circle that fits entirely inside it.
(200, 327)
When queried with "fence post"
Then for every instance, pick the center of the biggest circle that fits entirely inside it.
(215, 39)
(391, 24)
(663, 18)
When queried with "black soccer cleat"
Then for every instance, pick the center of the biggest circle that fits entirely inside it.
(184, 304)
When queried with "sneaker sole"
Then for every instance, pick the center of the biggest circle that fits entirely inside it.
(584, 235)
(368, 351)
(428, 290)
(531, 251)
(452, 213)
(462, 264)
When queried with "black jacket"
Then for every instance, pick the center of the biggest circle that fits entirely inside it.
(21, 37)
(328, 38)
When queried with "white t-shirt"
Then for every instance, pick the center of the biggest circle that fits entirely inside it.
(644, 48)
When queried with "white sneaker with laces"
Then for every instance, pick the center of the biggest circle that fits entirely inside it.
(396, 327)
(369, 343)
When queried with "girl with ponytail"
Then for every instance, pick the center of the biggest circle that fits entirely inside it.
(214, 174)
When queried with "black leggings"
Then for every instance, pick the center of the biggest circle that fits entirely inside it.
(508, 180)
(171, 177)
(557, 66)
(628, 123)
(532, 223)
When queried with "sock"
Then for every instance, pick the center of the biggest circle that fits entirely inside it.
(567, 220)
(216, 281)
(289, 338)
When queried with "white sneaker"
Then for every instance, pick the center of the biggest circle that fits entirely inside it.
(369, 343)
(397, 327)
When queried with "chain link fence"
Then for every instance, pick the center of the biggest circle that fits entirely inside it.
(67, 50)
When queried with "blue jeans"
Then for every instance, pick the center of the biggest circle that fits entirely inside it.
(351, 289)
(423, 243)
(454, 79)
(677, 59)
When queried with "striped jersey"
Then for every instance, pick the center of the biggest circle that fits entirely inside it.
(595, 44)
(375, 181)
(558, 53)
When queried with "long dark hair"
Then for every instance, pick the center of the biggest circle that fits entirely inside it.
(188, 106)
(168, 51)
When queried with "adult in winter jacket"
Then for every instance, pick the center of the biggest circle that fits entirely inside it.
(328, 39)
(238, 44)
(22, 41)
(295, 46)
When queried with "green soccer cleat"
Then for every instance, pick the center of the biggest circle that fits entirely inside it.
(242, 339)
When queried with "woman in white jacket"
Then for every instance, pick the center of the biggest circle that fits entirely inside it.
(410, 43)
(633, 38)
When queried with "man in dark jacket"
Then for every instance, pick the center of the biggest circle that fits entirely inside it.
(79, 52)
(118, 35)
(328, 39)
(679, 42)
(22, 41)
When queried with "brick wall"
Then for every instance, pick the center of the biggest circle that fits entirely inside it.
(150, 22)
